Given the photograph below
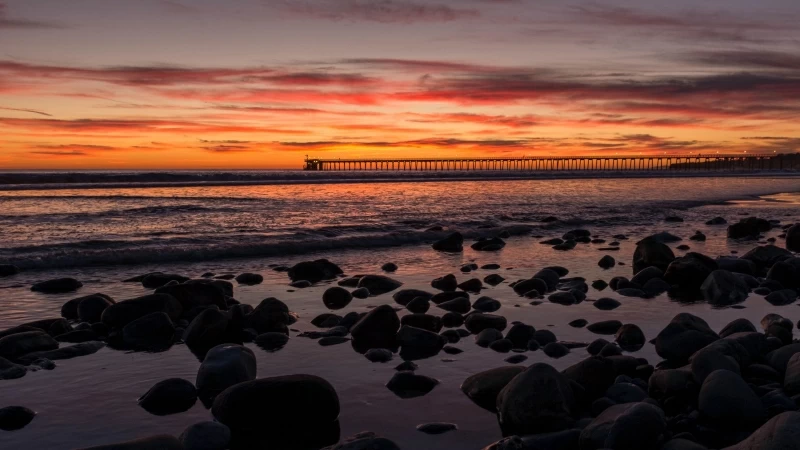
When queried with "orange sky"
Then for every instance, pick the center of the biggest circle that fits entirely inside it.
(147, 85)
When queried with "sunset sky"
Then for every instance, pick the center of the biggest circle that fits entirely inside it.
(141, 84)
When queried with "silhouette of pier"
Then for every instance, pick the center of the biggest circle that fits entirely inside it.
(711, 162)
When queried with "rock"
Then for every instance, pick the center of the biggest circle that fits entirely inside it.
(599, 285)
(632, 292)
(460, 305)
(171, 396)
(7, 270)
(684, 335)
(452, 243)
(690, 271)
(779, 358)
(520, 334)
(419, 305)
(538, 400)
(365, 441)
(698, 236)
(249, 279)
(326, 320)
(78, 336)
(478, 322)
(447, 296)
(630, 337)
(424, 321)
(791, 381)
(437, 427)
(516, 359)
(416, 343)
(486, 304)
(607, 262)
(152, 332)
(532, 284)
(606, 327)
(782, 297)
(563, 298)
(159, 442)
(377, 329)
(647, 274)
(555, 350)
(409, 385)
(17, 345)
(389, 267)
(447, 283)
(207, 330)
(782, 432)
(626, 393)
(723, 288)
(378, 284)
(224, 366)
(14, 418)
(737, 265)
(776, 319)
(307, 402)
(360, 293)
(716, 221)
(766, 255)
(726, 399)
(784, 273)
(158, 279)
(452, 320)
(629, 426)
(488, 336)
(314, 271)
(206, 436)
(270, 315)
(57, 286)
(578, 323)
(11, 371)
(501, 346)
(737, 326)
(472, 285)
(594, 375)
(606, 304)
(596, 346)
(650, 252)
(793, 238)
(405, 296)
(493, 279)
(379, 355)
(72, 351)
(488, 245)
(272, 341)
(750, 227)
(122, 313)
(483, 388)
(509, 443)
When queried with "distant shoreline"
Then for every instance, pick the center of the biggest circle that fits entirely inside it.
(128, 180)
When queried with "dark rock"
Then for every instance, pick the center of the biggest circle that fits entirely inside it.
(632, 292)
(516, 359)
(483, 388)
(737, 326)
(419, 305)
(69, 352)
(477, 322)
(206, 436)
(326, 320)
(416, 343)
(780, 432)
(791, 381)
(501, 346)
(629, 426)
(314, 271)
(378, 284)
(57, 286)
(78, 336)
(626, 393)
(171, 396)
(647, 274)
(423, 321)
(409, 385)
(737, 265)
(249, 279)
(14, 418)
(782, 297)
(606, 304)
(389, 267)
(207, 330)
(599, 285)
(447, 296)
(486, 304)
(404, 296)
(152, 332)
(270, 315)
(360, 293)
(630, 337)
(544, 337)
(460, 305)
(328, 341)
(607, 262)
(437, 427)
(379, 355)
(493, 279)
(793, 238)
(520, 334)
(452, 320)
(486, 337)
(407, 366)
(606, 327)
(726, 399)
(16, 345)
(650, 252)
(716, 221)
(7, 270)
(452, 243)
(224, 366)
(11, 371)
(377, 329)
(690, 271)
(447, 283)
(533, 284)
(555, 350)
(767, 255)
(336, 297)
(784, 273)
(683, 336)
(655, 287)
(271, 341)
(452, 350)
(563, 298)
(122, 313)
(596, 346)
(750, 227)
(723, 288)
(487, 245)
(538, 400)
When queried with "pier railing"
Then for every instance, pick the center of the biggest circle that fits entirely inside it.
(712, 162)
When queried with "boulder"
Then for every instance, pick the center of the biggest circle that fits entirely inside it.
(650, 252)
(452, 243)
(690, 271)
(193, 295)
(594, 375)
(224, 366)
(625, 393)
(538, 400)
(14, 418)
(483, 388)
(784, 273)
(171, 396)
(779, 358)
(416, 343)
(647, 274)
(782, 432)
(377, 329)
(630, 337)
(122, 313)
(607, 262)
(749, 228)
(69, 352)
(336, 297)
(520, 334)
(766, 256)
(549, 276)
(270, 315)
(606, 304)
(57, 286)
(206, 436)
(314, 271)
(477, 322)
(11, 371)
(782, 297)
(207, 330)
(460, 305)
(532, 284)
(684, 335)
(486, 304)
(90, 308)
(605, 327)
(488, 336)
(791, 381)
(723, 288)
(404, 296)
(17, 345)
(249, 279)
(447, 283)
(472, 285)
(727, 400)
(793, 238)
(629, 426)
(378, 284)
(737, 265)
(409, 385)
(152, 332)
(737, 326)
(488, 245)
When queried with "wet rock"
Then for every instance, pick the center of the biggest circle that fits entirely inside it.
(566, 245)
(750, 227)
(655, 287)
(156, 280)
(122, 313)
(336, 297)
(607, 262)
(171, 396)
(647, 274)
(199, 293)
(684, 335)
(690, 271)
(606, 304)
(599, 285)
(407, 366)
(159, 442)
(520, 334)
(423, 321)
(447, 283)
(328, 341)
(460, 305)
(632, 292)
(493, 279)
(630, 337)
(207, 330)
(11, 371)
(509, 443)
(7, 270)
(57, 286)
(550, 277)
(522, 287)
(314, 271)
(379, 355)
(726, 399)
(91, 310)
(544, 337)
(737, 326)
(452, 320)
(650, 252)
(249, 279)
(307, 402)
(478, 322)
(224, 366)
(377, 329)
(416, 343)
(437, 427)
(419, 305)
(563, 298)
(206, 436)
(606, 327)
(784, 273)
(766, 255)
(716, 221)
(350, 282)
(378, 284)
(447, 296)
(326, 320)
(555, 350)
(488, 336)
(360, 293)
(486, 304)
(780, 432)
(270, 315)
(365, 441)
(538, 400)
(14, 418)
(501, 345)
(629, 426)
(516, 359)
(409, 385)
(404, 296)
(69, 352)
(594, 375)
(578, 323)
(152, 332)
(272, 341)
(737, 265)
(483, 388)
(782, 297)
(488, 245)
(389, 267)
(793, 238)
(452, 243)
(723, 288)
(596, 346)
(17, 345)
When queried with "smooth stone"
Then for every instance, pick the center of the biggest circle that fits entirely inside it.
(516, 359)
(410, 385)
(483, 387)
(124, 312)
(478, 322)
(486, 304)
(725, 398)
(68, 352)
(405, 296)
(271, 341)
(537, 400)
(171, 396)
(224, 366)
(605, 327)
(453, 243)
(17, 345)
(378, 284)
(11, 371)
(206, 436)
(57, 286)
(152, 332)
(249, 279)
(314, 271)
(781, 432)
(14, 418)
(629, 426)
(683, 336)
(486, 337)
(377, 329)
(555, 350)
(419, 305)
(336, 297)
(360, 293)
(606, 304)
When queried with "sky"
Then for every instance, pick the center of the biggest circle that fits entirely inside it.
(254, 84)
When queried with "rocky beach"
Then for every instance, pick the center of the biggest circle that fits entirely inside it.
(552, 328)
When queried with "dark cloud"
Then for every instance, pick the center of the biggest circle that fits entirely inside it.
(381, 11)
(8, 21)
(32, 111)
(738, 59)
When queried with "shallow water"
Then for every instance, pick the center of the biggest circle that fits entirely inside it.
(92, 400)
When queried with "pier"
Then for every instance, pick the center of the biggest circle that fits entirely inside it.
(712, 162)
